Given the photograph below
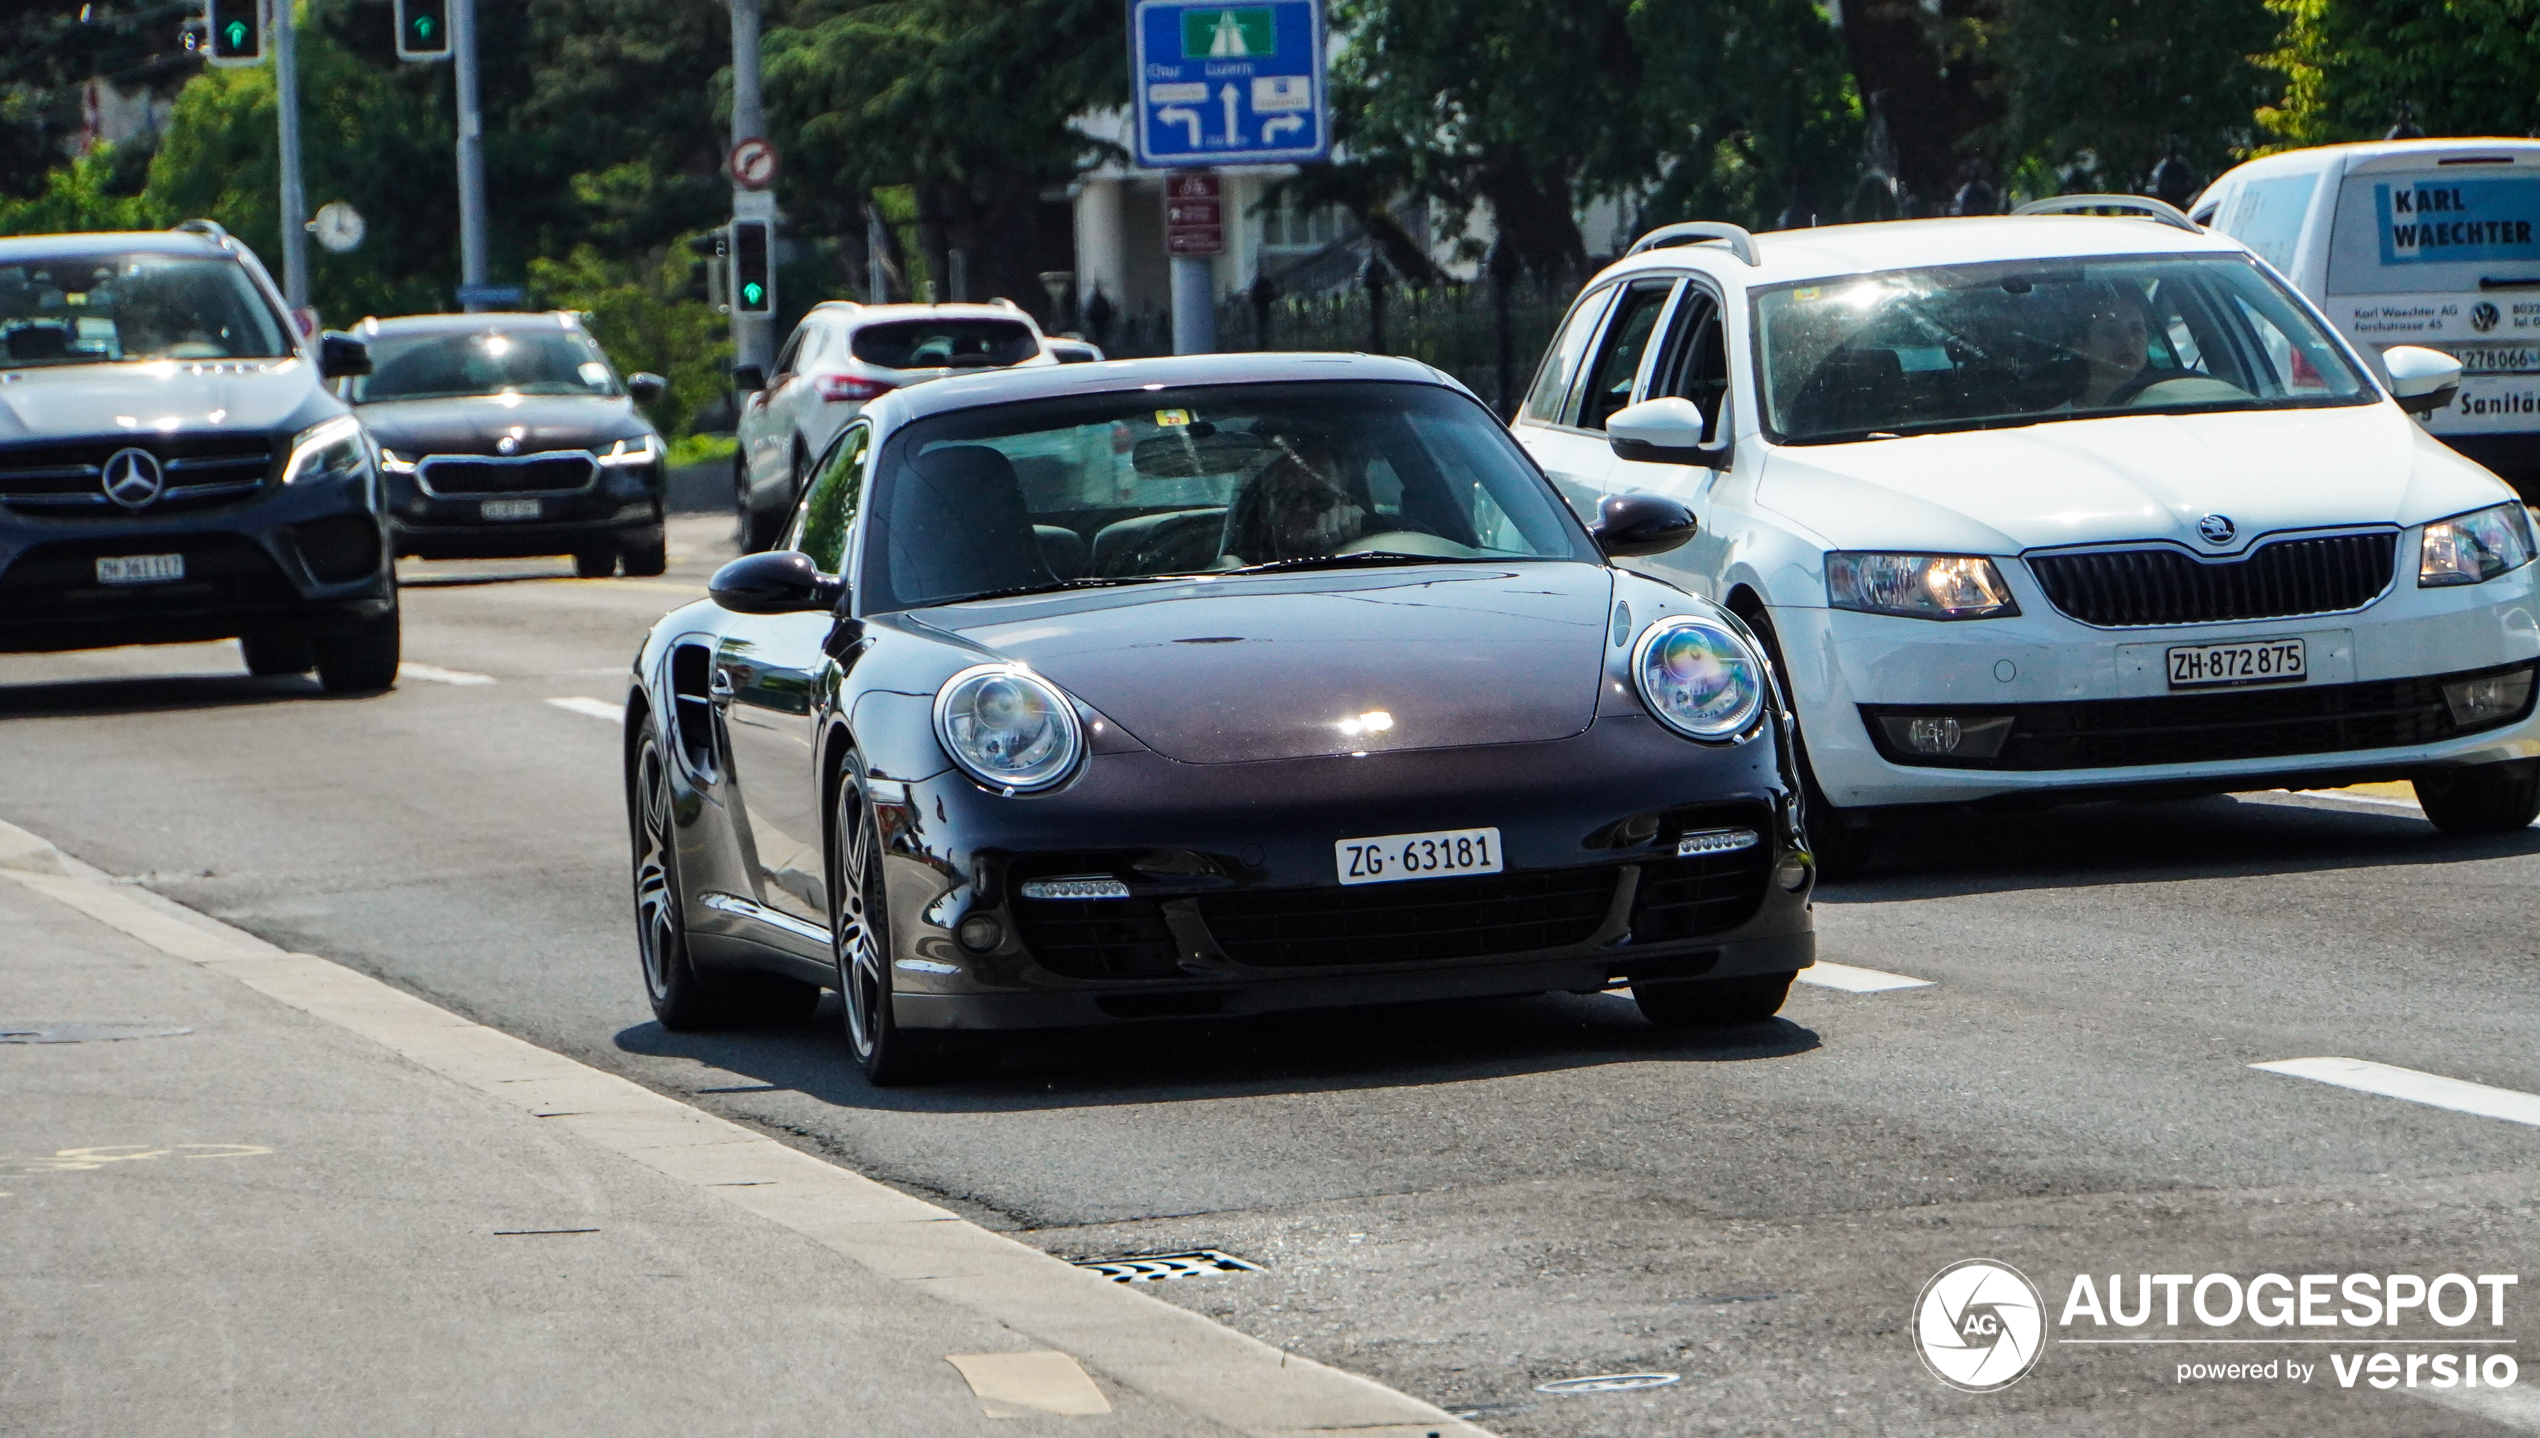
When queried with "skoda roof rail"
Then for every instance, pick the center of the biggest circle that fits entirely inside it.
(2141, 205)
(1740, 243)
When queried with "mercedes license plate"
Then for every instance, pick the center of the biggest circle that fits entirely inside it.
(1418, 856)
(2264, 661)
(141, 569)
(508, 509)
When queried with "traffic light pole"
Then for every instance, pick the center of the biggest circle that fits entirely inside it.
(295, 203)
(471, 152)
(753, 336)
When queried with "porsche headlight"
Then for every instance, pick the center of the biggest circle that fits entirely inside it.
(1699, 677)
(639, 450)
(1008, 728)
(1919, 586)
(2476, 547)
(326, 451)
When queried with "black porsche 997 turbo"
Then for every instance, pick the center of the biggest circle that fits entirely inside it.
(1202, 686)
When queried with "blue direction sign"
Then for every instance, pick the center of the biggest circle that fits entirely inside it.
(1229, 84)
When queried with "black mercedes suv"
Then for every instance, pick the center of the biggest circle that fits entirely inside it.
(173, 468)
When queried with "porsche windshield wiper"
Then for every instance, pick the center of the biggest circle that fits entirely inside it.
(1059, 585)
(1354, 561)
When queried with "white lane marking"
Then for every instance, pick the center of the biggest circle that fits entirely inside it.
(1857, 981)
(596, 708)
(2345, 798)
(2459, 1095)
(435, 674)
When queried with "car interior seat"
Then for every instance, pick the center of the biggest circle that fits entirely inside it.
(39, 342)
(1166, 543)
(958, 526)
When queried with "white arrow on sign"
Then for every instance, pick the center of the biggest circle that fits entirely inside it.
(1234, 128)
(1278, 125)
(1180, 115)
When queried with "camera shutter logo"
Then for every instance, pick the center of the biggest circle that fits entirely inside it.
(133, 479)
(1980, 1325)
(2217, 528)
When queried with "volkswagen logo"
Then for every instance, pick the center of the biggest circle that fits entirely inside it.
(1980, 1325)
(133, 479)
(2483, 317)
(2217, 528)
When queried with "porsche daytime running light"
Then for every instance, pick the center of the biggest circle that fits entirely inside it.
(1008, 728)
(2476, 547)
(1698, 677)
(326, 451)
(639, 450)
(1919, 586)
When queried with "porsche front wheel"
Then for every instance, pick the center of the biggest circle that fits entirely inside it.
(860, 943)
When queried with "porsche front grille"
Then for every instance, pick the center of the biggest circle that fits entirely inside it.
(1407, 923)
(2155, 585)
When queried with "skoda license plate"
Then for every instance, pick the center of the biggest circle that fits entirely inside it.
(1418, 856)
(141, 569)
(508, 509)
(2264, 661)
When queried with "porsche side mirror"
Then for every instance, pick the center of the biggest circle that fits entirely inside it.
(340, 356)
(748, 378)
(1664, 431)
(646, 387)
(782, 581)
(1629, 526)
(2422, 380)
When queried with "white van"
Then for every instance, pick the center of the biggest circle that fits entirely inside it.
(2415, 242)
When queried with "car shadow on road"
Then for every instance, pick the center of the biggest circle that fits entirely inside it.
(156, 693)
(1953, 853)
(1391, 1046)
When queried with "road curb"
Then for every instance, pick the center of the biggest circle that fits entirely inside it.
(1168, 1353)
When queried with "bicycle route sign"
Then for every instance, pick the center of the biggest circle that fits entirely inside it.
(1229, 84)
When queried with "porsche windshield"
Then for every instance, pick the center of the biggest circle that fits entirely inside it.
(1119, 487)
(105, 309)
(1980, 346)
(545, 360)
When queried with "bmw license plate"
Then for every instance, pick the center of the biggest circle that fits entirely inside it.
(1435, 855)
(141, 569)
(508, 509)
(2264, 661)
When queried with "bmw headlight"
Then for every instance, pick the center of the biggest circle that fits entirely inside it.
(1919, 586)
(326, 451)
(1699, 677)
(2476, 547)
(1008, 728)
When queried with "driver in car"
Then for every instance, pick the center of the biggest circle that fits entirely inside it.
(1306, 503)
(2113, 338)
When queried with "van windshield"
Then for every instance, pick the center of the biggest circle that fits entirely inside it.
(2457, 231)
(2030, 341)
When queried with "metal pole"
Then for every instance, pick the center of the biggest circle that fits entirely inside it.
(471, 152)
(295, 203)
(753, 336)
(1194, 305)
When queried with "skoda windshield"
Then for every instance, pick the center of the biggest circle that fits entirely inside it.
(108, 309)
(1125, 487)
(449, 365)
(2010, 343)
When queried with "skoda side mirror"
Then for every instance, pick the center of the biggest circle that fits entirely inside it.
(340, 356)
(748, 378)
(646, 387)
(2422, 380)
(783, 581)
(1664, 431)
(1629, 526)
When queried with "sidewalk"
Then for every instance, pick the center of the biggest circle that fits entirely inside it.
(328, 1215)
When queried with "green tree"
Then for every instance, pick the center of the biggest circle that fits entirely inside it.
(2464, 67)
(640, 314)
(2095, 91)
(77, 196)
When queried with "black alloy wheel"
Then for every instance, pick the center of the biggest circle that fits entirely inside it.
(269, 655)
(361, 659)
(860, 946)
(2482, 798)
(683, 998)
(1839, 841)
(1712, 1003)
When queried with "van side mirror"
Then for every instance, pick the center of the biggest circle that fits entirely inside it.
(1630, 526)
(2422, 380)
(1665, 431)
(340, 356)
(783, 581)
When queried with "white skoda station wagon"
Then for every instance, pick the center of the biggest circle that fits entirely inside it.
(2059, 505)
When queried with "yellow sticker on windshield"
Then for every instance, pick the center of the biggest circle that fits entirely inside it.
(1169, 418)
(1804, 293)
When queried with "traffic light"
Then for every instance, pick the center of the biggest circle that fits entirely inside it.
(707, 272)
(753, 278)
(423, 29)
(237, 32)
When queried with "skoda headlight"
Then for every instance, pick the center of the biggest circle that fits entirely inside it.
(326, 451)
(639, 450)
(2476, 547)
(1919, 586)
(1008, 728)
(395, 463)
(1698, 677)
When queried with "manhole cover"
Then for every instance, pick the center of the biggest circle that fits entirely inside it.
(1608, 1383)
(1149, 1267)
(45, 1033)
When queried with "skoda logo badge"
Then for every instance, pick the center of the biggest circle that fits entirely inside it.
(2483, 317)
(132, 478)
(507, 445)
(2217, 528)
(1980, 1326)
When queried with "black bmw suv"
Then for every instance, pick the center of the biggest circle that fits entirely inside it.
(172, 466)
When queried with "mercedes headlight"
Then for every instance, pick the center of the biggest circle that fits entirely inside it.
(2476, 547)
(1699, 677)
(1919, 586)
(327, 451)
(639, 450)
(1008, 728)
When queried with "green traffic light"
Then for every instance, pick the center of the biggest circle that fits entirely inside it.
(423, 28)
(237, 32)
(752, 294)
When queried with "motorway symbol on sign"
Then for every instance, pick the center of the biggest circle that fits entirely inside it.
(1229, 84)
(753, 164)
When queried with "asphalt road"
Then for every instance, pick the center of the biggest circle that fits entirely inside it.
(1468, 1200)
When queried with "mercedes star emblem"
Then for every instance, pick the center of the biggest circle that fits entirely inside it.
(2217, 528)
(132, 478)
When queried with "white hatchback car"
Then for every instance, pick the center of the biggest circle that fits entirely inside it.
(842, 355)
(2059, 505)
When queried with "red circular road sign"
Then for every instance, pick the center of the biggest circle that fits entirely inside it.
(752, 164)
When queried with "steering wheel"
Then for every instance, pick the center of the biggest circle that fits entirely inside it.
(1408, 541)
(2126, 393)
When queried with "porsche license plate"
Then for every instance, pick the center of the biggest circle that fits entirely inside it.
(2265, 661)
(141, 569)
(508, 509)
(1437, 855)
